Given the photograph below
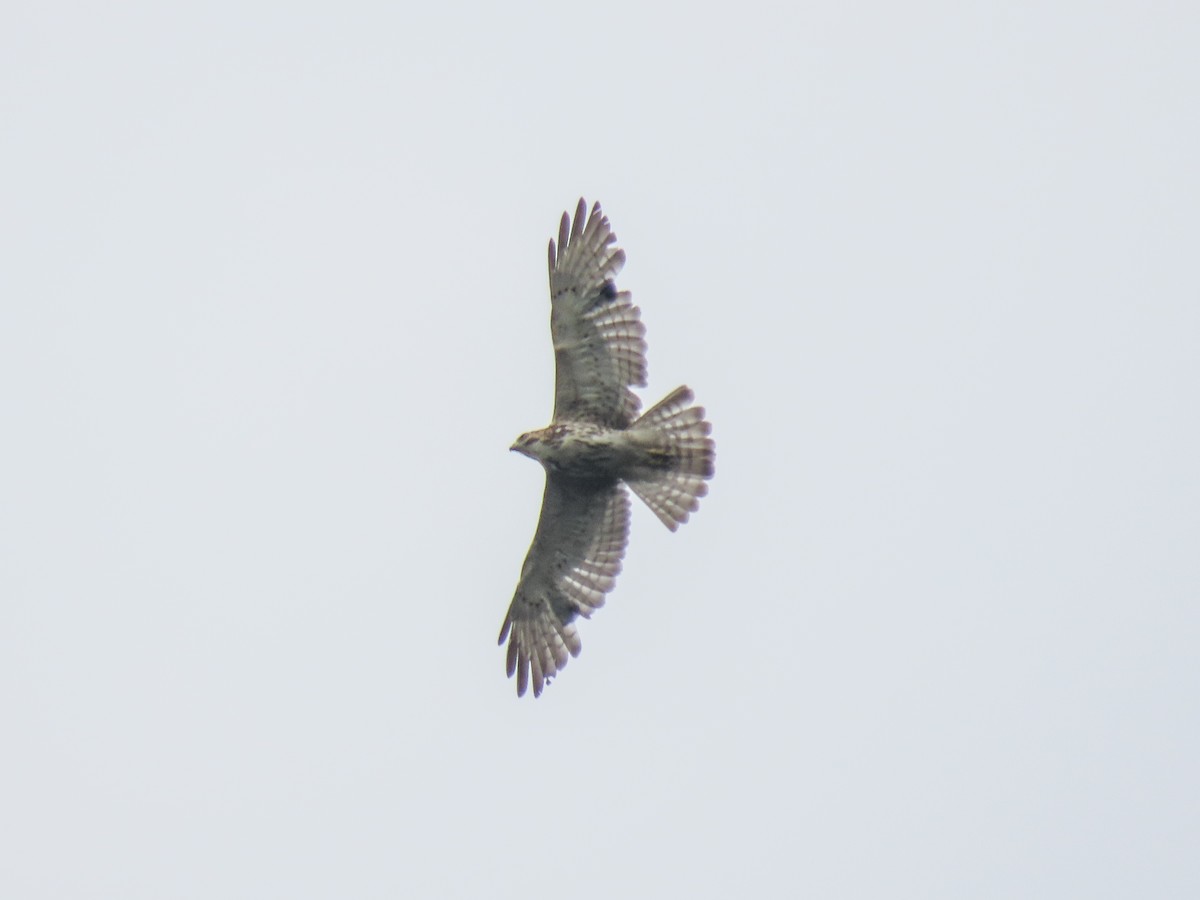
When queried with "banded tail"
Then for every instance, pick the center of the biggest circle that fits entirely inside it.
(675, 435)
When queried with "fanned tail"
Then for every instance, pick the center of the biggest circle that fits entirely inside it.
(683, 457)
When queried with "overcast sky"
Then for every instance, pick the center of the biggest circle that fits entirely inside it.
(273, 307)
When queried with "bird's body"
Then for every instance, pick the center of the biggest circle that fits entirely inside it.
(596, 445)
(580, 450)
(591, 452)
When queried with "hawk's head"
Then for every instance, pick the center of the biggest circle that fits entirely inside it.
(529, 444)
(537, 444)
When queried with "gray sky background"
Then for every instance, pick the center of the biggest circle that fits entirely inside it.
(274, 307)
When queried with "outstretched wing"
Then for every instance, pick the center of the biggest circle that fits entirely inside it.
(599, 340)
(573, 562)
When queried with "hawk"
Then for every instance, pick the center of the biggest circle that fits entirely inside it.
(596, 445)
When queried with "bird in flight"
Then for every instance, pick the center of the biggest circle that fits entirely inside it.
(596, 445)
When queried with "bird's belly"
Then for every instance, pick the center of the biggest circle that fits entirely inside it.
(590, 456)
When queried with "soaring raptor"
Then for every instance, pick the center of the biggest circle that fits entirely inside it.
(595, 446)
